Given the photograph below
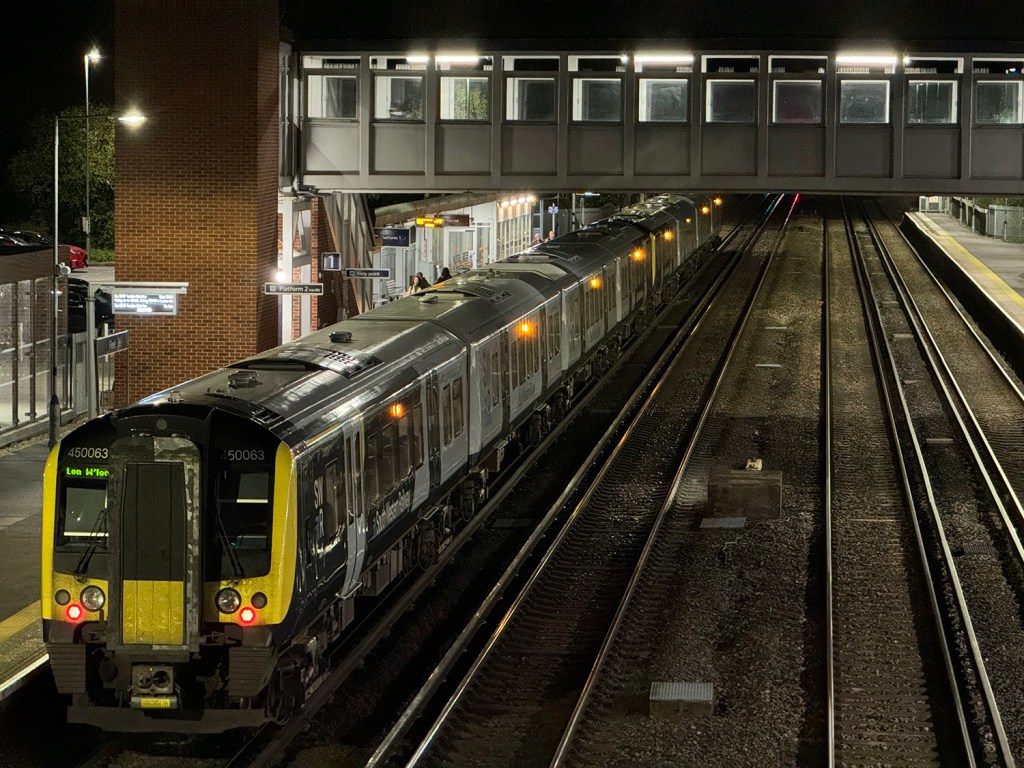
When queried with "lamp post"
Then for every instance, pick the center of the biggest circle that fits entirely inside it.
(54, 409)
(90, 58)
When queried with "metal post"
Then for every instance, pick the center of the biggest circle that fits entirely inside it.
(54, 411)
(90, 352)
(88, 135)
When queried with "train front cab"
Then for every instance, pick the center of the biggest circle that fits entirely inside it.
(168, 562)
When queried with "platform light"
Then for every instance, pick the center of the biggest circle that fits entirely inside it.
(717, 201)
(417, 58)
(280, 276)
(705, 209)
(668, 233)
(638, 255)
(662, 58)
(689, 220)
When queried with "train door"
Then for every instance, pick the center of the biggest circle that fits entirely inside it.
(155, 579)
(351, 497)
(433, 432)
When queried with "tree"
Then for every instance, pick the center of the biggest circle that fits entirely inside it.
(30, 175)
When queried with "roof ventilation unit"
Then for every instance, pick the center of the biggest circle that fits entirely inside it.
(340, 337)
(243, 379)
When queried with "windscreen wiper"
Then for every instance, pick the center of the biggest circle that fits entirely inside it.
(225, 542)
(97, 534)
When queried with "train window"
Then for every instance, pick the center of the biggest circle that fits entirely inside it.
(387, 458)
(797, 102)
(370, 473)
(457, 406)
(446, 410)
(554, 332)
(335, 496)
(864, 102)
(609, 284)
(597, 99)
(998, 102)
(465, 98)
(243, 517)
(531, 99)
(83, 516)
(574, 316)
(333, 96)
(495, 377)
(417, 435)
(663, 100)
(514, 360)
(398, 97)
(931, 102)
(732, 101)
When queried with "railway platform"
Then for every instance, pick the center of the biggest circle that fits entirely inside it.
(994, 266)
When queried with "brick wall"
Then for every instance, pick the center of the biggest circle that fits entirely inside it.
(197, 183)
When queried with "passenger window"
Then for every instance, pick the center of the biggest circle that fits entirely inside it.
(495, 378)
(446, 409)
(417, 435)
(554, 332)
(370, 475)
(458, 420)
(331, 501)
(404, 444)
(388, 458)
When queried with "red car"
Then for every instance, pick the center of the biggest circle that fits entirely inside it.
(75, 257)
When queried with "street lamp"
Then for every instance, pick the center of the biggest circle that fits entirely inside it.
(54, 410)
(91, 57)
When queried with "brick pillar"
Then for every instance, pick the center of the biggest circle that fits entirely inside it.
(197, 183)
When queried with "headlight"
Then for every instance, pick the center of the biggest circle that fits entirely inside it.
(93, 598)
(228, 600)
(62, 597)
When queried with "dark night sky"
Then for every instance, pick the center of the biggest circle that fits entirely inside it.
(41, 57)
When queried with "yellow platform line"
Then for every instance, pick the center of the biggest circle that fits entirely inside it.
(938, 233)
(12, 625)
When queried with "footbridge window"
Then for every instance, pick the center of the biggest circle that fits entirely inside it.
(332, 87)
(731, 94)
(865, 93)
(999, 91)
(664, 97)
(932, 94)
(398, 87)
(531, 88)
(797, 89)
(597, 88)
(466, 93)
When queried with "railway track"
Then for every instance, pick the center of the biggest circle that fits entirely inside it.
(530, 681)
(957, 491)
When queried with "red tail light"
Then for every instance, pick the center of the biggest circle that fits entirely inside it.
(247, 615)
(73, 612)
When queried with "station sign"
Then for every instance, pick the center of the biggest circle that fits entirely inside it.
(143, 302)
(153, 299)
(399, 237)
(277, 289)
(552, 209)
(354, 272)
(330, 261)
(108, 345)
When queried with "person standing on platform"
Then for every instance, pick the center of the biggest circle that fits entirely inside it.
(537, 239)
(445, 275)
(551, 235)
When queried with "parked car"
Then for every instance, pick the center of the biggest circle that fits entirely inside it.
(75, 257)
(78, 290)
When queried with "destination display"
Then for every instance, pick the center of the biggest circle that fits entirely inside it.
(144, 302)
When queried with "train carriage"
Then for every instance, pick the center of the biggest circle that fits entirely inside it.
(204, 547)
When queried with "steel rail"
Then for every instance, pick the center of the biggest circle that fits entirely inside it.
(271, 753)
(562, 750)
(880, 343)
(826, 409)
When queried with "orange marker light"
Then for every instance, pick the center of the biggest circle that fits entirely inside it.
(668, 233)
(595, 282)
(396, 410)
(74, 612)
(247, 615)
(638, 255)
(525, 328)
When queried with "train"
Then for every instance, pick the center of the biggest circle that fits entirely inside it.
(204, 547)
